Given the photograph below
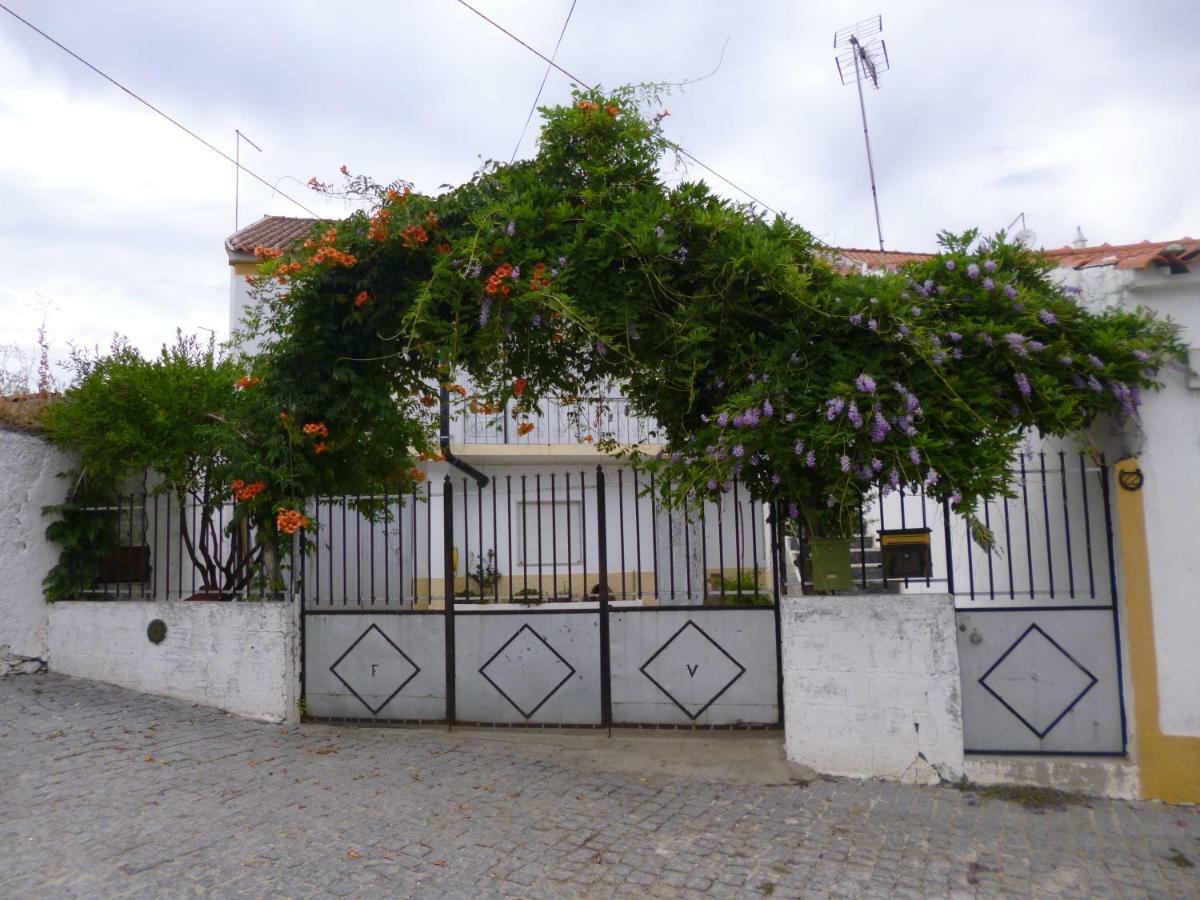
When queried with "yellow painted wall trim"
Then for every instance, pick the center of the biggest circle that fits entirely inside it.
(245, 268)
(1168, 765)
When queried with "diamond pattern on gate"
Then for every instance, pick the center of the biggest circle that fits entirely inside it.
(371, 665)
(685, 654)
(527, 671)
(1037, 680)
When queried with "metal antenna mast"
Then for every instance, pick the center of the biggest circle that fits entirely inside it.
(857, 61)
(237, 171)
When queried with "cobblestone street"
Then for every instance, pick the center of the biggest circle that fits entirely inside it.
(109, 793)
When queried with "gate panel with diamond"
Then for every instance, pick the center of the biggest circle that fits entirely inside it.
(528, 668)
(375, 666)
(1040, 680)
(696, 666)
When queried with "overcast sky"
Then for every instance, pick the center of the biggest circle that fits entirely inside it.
(112, 220)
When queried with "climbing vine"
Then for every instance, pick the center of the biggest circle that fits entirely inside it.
(737, 333)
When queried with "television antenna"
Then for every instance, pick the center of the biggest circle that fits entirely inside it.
(1026, 235)
(237, 170)
(864, 55)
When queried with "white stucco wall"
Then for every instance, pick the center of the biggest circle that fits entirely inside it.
(29, 467)
(1169, 457)
(241, 657)
(871, 686)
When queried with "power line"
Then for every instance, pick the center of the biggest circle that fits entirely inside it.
(155, 109)
(542, 86)
(552, 64)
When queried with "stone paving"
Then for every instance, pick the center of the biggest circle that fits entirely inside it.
(109, 793)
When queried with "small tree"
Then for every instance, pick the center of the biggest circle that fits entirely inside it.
(173, 415)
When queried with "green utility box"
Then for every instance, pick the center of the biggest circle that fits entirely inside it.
(831, 564)
(906, 553)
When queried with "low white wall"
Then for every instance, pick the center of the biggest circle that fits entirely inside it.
(29, 468)
(871, 686)
(241, 657)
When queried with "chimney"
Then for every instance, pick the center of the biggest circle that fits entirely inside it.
(1080, 241)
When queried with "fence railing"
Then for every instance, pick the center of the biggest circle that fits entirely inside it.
(540, 537)
(536, 538)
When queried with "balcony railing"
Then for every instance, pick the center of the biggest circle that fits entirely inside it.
(585, 421)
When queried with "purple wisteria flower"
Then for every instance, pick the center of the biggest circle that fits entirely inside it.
(1141, 355)
(1036, 346)
(793, 511)
(455, 262)
(830, 502)
(905, 424)
(865, 383)
(833, 408)
(987, 339)
(856, 319)
(932, 477)
(1094, 384)
(712, 485)
(989, 266)
(1066, 360)
(718, 382)
(704, 418)
(988, 284)
(1097, 362)
(1010, 292)
(972, 271)
(751, 377)
(601, 348)
(516, 273)
(949, 265)
(753, 460)
(844, 462)
(811, 459)
(854, 415)
(956, 496)
(873, 325)
(939, 358)
(1016, 343)
(790, 417)
(957, 354)
(485, 311)
(877, 465)
(1022, 384)
(562, 260)
(894, 478)
(475, 270)
(775, 479)
(723, 419)
(954, 337)
(914, 455)
(799, 448)
(658, 231)
(767, 409)
(739, 451)
(903, 330)
(511, 229)
(536, 321)
(1047, 317)
(879, 425)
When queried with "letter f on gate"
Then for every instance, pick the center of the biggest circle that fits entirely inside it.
(374, 666)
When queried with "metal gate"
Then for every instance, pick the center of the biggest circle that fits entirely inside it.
(1038, 639)
(537, 598)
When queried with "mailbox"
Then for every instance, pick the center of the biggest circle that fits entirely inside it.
(905, 553)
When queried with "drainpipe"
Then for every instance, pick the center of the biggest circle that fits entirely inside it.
(464, 467)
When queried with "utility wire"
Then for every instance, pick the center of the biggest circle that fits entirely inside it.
(542, 86)
(552, 64)
(155, 109)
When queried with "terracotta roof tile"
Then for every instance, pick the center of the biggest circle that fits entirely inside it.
(1173, 254)
(276, 232)
(279, 232)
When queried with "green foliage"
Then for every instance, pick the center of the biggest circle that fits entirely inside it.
(760, 360)
(84, 535)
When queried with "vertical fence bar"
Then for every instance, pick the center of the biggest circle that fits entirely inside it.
(583, 529)
(777, 574)
(738, 539)
(1062, 465)
(495, 544)
(721, 543)
(862, 543)
(448, 575)
(466, 554)
(509, 533)
(687, 550)
(1046, 515)
(479, 522)
(621, 526)
(387, 546)
(755, 521)
(553, 541)
(570, 568)
(924, 521)
(1012, 585)
(703, 552)
(654, 538)
(1106, 498)
(949, 547)
(1028, 536)
(637, 530)
(987, 523)
(671, 545)
(524, 544)
(537, 483)
(1087, 526)
(303, 621)
(602, 563)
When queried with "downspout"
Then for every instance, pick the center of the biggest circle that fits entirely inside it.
(464, 467)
